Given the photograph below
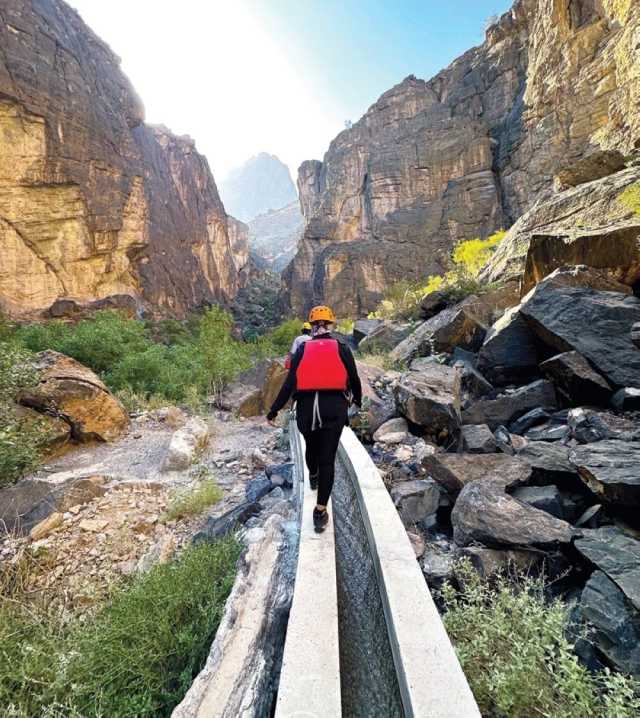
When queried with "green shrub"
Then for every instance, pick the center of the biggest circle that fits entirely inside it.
(402, 300)
(223, 357)
(194, 500)
(23, 440)
(345, 326)
(630, 198)
(513, 649)
(99, 343)
(137, 657)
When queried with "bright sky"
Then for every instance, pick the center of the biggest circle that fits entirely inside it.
(279, 76)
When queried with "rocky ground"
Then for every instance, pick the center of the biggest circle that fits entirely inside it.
(103, 511)
(516, 443)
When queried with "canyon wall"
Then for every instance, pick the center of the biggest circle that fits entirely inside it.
(466, 153)
(93, 202)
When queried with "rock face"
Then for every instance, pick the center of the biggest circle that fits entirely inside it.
(575, 379)
(484, 513)
(274, 236)
(469, 151)
(556, 312)
(431, 399)
(610, 469)
(93, 202)
(588, 224)
(73, 393)
(455, 471)
(262, 184)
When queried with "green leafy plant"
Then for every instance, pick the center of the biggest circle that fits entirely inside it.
(138, 654)
(402, 300)
(194, 500)
(513, 647)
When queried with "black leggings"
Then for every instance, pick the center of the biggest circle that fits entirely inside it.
(322, 445)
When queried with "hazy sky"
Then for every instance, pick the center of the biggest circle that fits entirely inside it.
(280, 76)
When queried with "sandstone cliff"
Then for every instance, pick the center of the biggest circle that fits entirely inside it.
(469, 151)
(93, 202)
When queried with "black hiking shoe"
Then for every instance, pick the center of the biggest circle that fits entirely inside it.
(313, 481)
(320, 520)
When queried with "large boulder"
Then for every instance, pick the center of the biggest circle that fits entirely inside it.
(610, 469)
(615, 623)
(364, 327)
(394, 431)
(453, 327)
(550, 463)
(545, 498)
(255, 390)
(617, 554)
(489, 562)
(72, 392)
(478, 439)
(575, 379)
(385, 337)
(484, 513)
(184, 445)
(455, 471)
(613, 250)
(511, 351)
(416, 500)
(377, 407)
(431, 399)
(511, 404)
(590, 321)
(31, 501)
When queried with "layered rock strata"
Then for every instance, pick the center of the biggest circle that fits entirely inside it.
(93, 202)
(550, 96)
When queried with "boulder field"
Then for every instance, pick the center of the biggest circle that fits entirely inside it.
(517, 444)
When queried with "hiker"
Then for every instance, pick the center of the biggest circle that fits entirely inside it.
(323, 380)
(304, 336)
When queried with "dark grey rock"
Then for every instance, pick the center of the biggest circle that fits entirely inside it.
(474, 385)
(437, 566)
(484, 513)
(616, 624)
(617, 554)
(431, 399)
(556, 312)
(611, 469)
(510, 405)
(526, 421)
(550, 462)
(589, 425)
(219, 526)
(510, 352)
(364, 328)
(626, 399)
(454, 471)
(385, 337)
(635, 334)
(548, 432)
(478, 439)
(257, 488)
(575, 379)
(433, 303)
(545, 498)
(280, 474)
(460, 354)
(416, 500)
(453, 327)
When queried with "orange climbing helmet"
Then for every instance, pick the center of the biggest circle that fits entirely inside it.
(321, 314)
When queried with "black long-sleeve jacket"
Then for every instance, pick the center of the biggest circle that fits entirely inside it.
(333, 405)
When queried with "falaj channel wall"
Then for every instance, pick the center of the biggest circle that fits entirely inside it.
(396, 658)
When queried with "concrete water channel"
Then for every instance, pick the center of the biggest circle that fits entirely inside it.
(364, 637)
